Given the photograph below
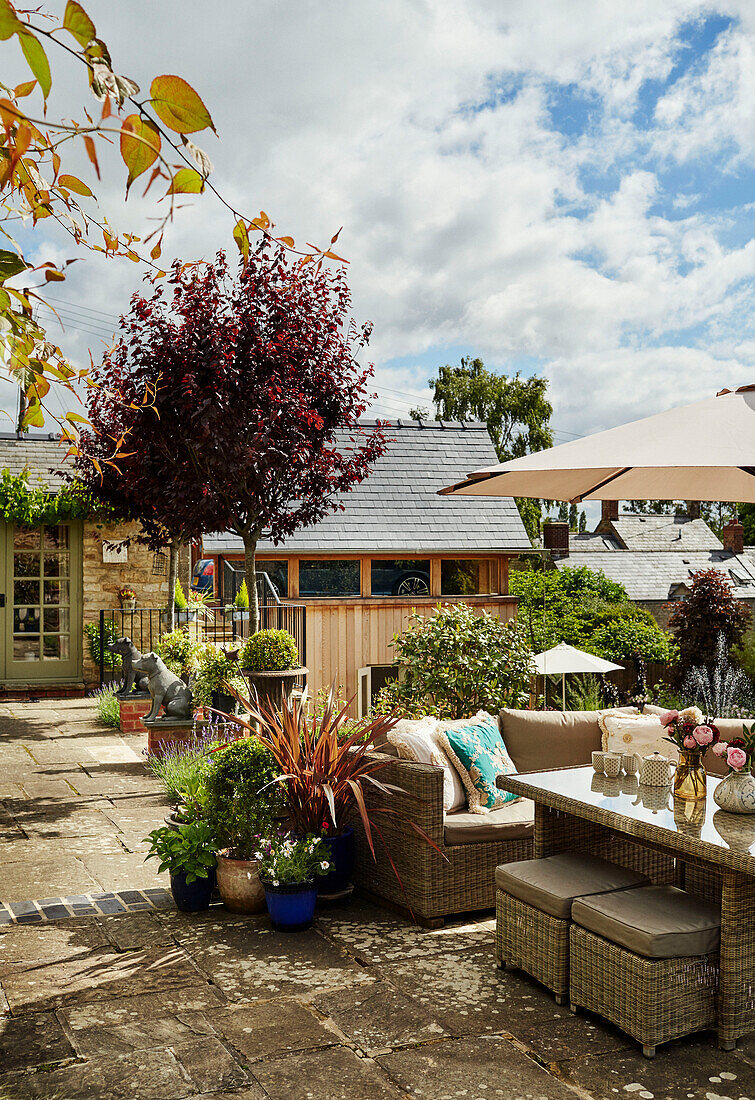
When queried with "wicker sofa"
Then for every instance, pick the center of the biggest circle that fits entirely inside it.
(457, 875)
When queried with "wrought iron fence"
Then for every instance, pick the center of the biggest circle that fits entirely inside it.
(227, 627)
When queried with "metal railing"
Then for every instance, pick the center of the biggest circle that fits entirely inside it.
(226, 627)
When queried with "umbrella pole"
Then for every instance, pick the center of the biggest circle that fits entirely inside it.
(563, 691)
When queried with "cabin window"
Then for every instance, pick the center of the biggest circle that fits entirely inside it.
(459, 577)
(400, 577)
(329, 578)
(277, 572)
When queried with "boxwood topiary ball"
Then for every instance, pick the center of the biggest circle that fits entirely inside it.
(270, 651)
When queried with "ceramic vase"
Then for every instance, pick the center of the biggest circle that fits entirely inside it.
(689, 777)
(736, 793)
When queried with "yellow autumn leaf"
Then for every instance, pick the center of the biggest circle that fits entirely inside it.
(187, 181)
(140, 146)
(77, 22)
(177, 105)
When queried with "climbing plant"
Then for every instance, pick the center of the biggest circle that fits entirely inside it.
(28, 505)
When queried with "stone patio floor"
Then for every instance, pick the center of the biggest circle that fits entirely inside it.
(158, 1004)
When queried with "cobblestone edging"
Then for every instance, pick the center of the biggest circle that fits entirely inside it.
(84, 905)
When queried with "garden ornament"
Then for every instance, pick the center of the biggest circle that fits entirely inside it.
(167, 691)
(128, 653)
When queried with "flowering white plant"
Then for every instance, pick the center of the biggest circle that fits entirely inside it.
(288, 859)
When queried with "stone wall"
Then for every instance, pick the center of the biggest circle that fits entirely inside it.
(102, 580)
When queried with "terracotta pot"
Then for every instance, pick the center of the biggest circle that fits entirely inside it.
(273, 687)
(239, 885)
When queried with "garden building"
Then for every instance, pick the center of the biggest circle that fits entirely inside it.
(394, 546)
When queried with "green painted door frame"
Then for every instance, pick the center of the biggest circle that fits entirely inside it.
(40, 622)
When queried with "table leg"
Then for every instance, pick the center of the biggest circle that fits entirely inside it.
(736, 993)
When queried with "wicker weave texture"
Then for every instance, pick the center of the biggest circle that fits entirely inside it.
(456, 879)
(532, 941)
(737, 988)
(653, 1000)
(556, 831)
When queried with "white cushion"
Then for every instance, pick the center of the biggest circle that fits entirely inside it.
(640, 734)
(415, 740)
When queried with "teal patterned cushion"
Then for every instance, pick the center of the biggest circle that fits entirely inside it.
(478, 753)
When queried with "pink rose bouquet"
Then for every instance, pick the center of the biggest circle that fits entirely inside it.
(688, 729)
(740, 751)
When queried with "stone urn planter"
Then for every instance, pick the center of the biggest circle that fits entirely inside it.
(239, 884)
(273, 687)
(129, 604)
(736, 793)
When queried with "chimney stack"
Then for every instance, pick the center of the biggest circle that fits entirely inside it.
(609, 511)
(733, 537)
(556, 537)
(693, 509)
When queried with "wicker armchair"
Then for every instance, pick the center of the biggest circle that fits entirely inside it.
(460, 878)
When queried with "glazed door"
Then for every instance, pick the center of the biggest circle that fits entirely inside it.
(42, 606)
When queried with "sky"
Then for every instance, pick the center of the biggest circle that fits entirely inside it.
(560, 188)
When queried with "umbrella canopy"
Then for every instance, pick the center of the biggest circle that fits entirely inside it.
(704, 451)
(565, 658)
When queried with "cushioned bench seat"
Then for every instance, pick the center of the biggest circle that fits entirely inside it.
(659, 922)
(514, 821)
(552, 884)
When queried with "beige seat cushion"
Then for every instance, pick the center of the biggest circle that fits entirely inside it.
(659, 922)
(539, 740)
(552, 884)
(514, 821)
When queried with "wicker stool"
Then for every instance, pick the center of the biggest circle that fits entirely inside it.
(647, 960)
(533, 911)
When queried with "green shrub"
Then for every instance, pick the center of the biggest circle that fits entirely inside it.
(214, 669)
(457, 662)
(179, 598)
(92, 631)
(239, 805)
(180, 770)
(108, 707)
(190, 850)
(270, 651)
(179, 651)
(584, 693)
(242, 597)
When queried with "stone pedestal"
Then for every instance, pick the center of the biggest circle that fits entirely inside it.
(133, 708)
(162, 733)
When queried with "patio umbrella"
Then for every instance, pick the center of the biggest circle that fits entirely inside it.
(565, 658)
(704, 451)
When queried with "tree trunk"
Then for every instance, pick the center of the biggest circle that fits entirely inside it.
(250, 566)
(172, 577)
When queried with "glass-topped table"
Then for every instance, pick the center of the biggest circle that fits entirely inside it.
(695, 845)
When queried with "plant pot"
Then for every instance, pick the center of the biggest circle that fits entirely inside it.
(341, 854)
(239, 885)
(273, 687)
(690, 777)
(221, 701)
(181, 619)
(191, 897)
(291, 905)
(128, 605)
(736, 793)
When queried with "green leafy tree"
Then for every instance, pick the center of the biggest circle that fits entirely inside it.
(516, 411)
(457, 662)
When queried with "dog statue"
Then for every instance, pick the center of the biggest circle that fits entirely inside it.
(128, 654)
(167, 691)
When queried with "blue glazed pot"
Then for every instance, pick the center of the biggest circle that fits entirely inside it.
(341, 854)
(191, 897)
(291, 905)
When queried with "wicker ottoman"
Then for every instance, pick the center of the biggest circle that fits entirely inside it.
(533, 911)
(647, 960)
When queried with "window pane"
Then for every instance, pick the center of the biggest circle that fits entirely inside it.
(56, 592)
(25, 620)
(25, 538)
(329, 578)
(400, 577)
(56, 538)
(55, 647)
(56, 565)
(277, 571)
(459, 578)
(25, 592)
(26, 565)
(56, 619)
(26, 649)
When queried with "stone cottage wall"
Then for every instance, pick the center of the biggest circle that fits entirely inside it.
(102, 580)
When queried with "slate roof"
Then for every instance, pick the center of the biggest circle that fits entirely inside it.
(41, 455)
(665, 533)
(652, 574)
(397, 509)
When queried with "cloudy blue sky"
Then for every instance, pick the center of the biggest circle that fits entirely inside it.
(562, 188)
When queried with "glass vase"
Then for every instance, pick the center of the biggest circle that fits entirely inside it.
(690, 777)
